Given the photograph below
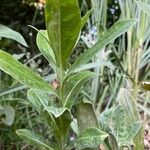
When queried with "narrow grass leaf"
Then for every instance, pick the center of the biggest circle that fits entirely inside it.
(85, 18)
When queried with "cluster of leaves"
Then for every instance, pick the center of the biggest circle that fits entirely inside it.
(64, 23)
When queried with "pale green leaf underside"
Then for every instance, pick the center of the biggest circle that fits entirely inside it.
(9, 113)
(90, 138)
(6, 32)
(33, 139)
(115, 31)
(45, 48)
(22, 73)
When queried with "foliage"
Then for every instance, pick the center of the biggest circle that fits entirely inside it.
(55, 105)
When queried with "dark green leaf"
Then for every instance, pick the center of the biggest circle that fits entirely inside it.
(33, 139)
(86, 117)
(90, 138)
(63, 25)
(22, 73)
(6, 32)
(61, 118)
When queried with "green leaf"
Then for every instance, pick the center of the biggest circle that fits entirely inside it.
(74, 126)
(61, 118)
(9, 113)
(129, 104)
(63, 25)
(122, 129)
(22, 73)
(85, 18)
(45, 48)
(144, 6)
(115, 31)
(33, 139)
(39, 100)
(127, 101)
(6, 32)
(90, 138)
(73, 86)
(95, 65)
(86, 117)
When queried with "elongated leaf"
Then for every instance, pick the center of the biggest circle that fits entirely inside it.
(115, 31)
(74, 85)
(85, 18)
(22, 73)
(63, 25)
(48, 78)
(33, 139)
(6, 32)
(144, 6)
(45, 48)
(62, 119)
(90, 138)
(86, 117)
(95, 65)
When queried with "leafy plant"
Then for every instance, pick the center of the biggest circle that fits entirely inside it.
(55, 105)
(7, 113)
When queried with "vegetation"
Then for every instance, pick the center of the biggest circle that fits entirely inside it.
(92, 102)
